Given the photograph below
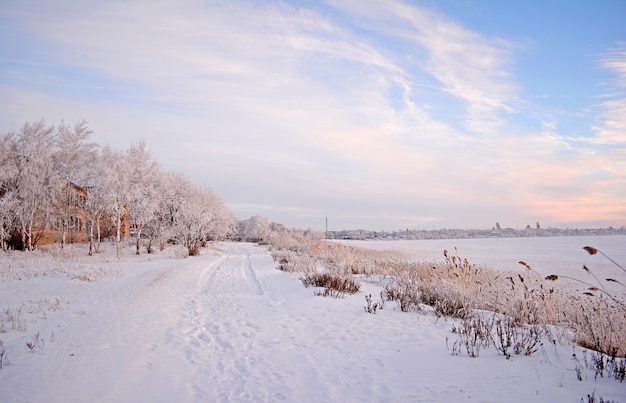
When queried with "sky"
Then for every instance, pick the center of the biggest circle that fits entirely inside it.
(378, 115)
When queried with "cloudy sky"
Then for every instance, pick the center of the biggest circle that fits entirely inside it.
(378, 114)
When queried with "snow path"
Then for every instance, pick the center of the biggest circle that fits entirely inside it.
(228, 327)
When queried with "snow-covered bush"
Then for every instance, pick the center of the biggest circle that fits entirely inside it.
(403, 290)
(181, 252)
(36, 343)
(13, 319)
(446, 299)
(3, 354)
(334, 285)
(372, 307)
(291, 261)
(474, 334)
(254, 229)
(190, 215)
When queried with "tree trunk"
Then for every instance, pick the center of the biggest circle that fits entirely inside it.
(90, 223)
(118, 230)
(29, 235)
(138, 241)
(66, 219)
(23, 236)
(63, 230)
(3, 237)
(98, 234)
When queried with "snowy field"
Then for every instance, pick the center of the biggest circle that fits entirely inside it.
(563, 256)
(226, 326)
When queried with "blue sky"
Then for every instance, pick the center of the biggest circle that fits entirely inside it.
(377, 114)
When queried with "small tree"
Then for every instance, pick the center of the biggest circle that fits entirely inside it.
(256, 229)
(190, 215)
(116, 191)
(222, 222)
(95, 207)
(143, 200)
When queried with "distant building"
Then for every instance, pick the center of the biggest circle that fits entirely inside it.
(46, 233)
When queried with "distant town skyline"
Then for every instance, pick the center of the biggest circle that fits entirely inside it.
(468, 233)
(378, 115)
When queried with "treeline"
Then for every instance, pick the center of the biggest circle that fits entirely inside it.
(414, 234)
(54, 178)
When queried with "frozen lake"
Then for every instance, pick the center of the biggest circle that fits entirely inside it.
(546, 255)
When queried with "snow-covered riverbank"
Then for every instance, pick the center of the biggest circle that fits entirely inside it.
(228, 327)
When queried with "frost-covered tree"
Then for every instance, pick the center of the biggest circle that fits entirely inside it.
(36, 182)
(73, 157)
(256, 229)
(48, 174)
(170, 186)
(222, 222)
(176, 193)
(8, 178)
(143, 199)
(95, 208)
(191, 215)
(116, 195)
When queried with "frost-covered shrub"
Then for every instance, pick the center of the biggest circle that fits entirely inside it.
(445, 299)
(181, 252)
(90, 275)
(291, 261)
(474, 334)
(13, 318)
(3, 354)
(403, 290)
(36, 343)
(333, 285)
(372, 307)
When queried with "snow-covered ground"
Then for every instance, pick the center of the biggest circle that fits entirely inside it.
(563, 256)
(226, 326)
(545, 254)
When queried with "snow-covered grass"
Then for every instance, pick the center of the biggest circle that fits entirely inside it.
(229, 325)
(587, 295)
(592, 306)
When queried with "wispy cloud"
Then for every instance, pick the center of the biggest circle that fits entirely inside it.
(390, 114)
(469, 66)
(472, 68)
(612, 126)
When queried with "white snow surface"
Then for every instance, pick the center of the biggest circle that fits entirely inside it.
(227, 326)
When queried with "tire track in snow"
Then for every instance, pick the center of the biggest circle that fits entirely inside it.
(208, 345)
(250, 275)
(207, 275)
(221, 333)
